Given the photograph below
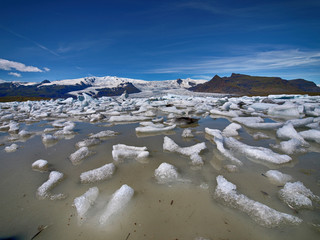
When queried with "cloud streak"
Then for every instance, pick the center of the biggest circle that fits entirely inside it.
(10, 65)
(268, 60)
(14, 74)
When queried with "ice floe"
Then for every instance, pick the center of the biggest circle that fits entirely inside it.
(231, 130)
(104, 134)
(261, 154)
(257, 123)
(12, 148)
(297, 196)
(154, 128)
(192, 151)
(311, 135)
(84, 202)
(166, 173)
(43, 191)
(260, 213)
(79, 155)
(98, 174)
(88, 142)
(187, 133)
(123, 152)
(278, 178)
(40, 165)
(288, 132)
(128, 118)
(117, 203)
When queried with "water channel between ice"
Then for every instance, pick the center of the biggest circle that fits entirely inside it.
(180, 210)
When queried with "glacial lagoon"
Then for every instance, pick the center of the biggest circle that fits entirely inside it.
(235, 168)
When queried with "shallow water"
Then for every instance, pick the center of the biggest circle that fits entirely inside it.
(183, 210)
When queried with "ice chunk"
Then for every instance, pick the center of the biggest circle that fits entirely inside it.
(12, 148)
(187, 133)
(48, 138)
(40, 165)
(260, 135)
(219, 140)
(153, 128)
(231, 168)
(166, 173)
(278, 178)
(122, 152)
(257, 123)
(98, 174)
(24, 134)
(104, 134)
(300, 122)
(291, 146)
(88, 142)
(84, 202)
(312, 135)
(262, 214)
(225, 113)
(43, 191)
(13, 126)
(256, 153)
(192, 151)
(129, 118)
(231, 130)
(288, 132)
(248, 120)
(296, 195)
(79, 155)
(118, 202)
(286, 110)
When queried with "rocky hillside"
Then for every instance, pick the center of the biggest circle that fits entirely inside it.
(240, 84)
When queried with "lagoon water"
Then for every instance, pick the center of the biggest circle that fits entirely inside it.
(185, 209)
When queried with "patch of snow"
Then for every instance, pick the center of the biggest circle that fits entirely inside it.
(122, 152)
(43, 191)
(98, 174)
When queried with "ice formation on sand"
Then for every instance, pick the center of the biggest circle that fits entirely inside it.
(192, 151)
(262, 214)
(219, 140)
(278, 178)
(166, 173)
(79, 155)
(98, 174)
(154, 128)
(297, 196)
(40, 165)
(118, 202)
(231, 130)
(261, 154)
(104, 134)
(43, 191)
(122, 152)
(12, 148)
(84, 202)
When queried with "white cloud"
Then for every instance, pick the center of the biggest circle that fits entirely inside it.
(268, 60)
(46, 69)
(9, 65)
(14, 74)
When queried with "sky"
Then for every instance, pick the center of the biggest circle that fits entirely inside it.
(158, 40)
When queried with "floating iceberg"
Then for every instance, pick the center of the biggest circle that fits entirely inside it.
(128, 118)
(40, 165)
(79, 155)
(300, 122)
(104, 134)
(286, 110)
(231, 130)
(122, 152)
(219, 140)
(166, 173)
(231, 114)
(292, 146)
(43, 191)
(262, 214)
(154, 128)
(257, 153)
(257, 123)
(296, 195)
(98, 174)
(288, 132)
(12, 148)
(84, 202)
(311, 135)
(192, 151)
(278, 178)
(187, 133)
(88, 142)
(118, 202)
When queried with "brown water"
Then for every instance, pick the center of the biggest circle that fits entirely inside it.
(157, 211)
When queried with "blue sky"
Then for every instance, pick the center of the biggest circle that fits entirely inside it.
(158, 40)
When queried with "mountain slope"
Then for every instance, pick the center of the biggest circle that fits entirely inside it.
(252, 85)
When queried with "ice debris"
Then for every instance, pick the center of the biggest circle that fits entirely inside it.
(98, 174)
(311, 135)
(118, 202)
(88, 142)
(150, 127)
(43, 191)
(84, 202)
(79, 155)
(192, 151)
(166, 173)
(261, 154)
(297, 196)
(262, 214)
(122, 152)
(104, 134)
(287, 110)
(129, 118)
(187, 133)
(278, 178)
(12, 148)
(257, 123)
(40, 165)
(231, 130)
(288, 132)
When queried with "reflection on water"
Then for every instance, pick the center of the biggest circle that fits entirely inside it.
(182, 210)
